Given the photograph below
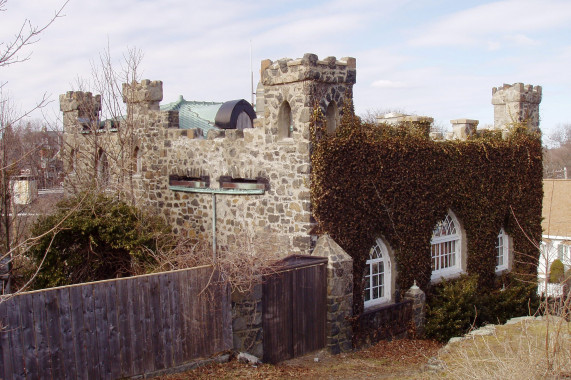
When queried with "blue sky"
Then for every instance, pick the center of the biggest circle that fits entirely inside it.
(438, 58)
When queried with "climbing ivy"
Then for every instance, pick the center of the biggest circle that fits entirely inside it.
(394, 181)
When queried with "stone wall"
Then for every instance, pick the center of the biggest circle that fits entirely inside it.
(247, 331)
(339, 294)
(281, 215)
(385, 322)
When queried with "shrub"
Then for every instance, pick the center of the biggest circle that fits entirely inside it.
(556, 271)
(90, 238)
(450, 309)
(457, 305)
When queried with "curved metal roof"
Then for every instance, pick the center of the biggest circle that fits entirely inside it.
(194, 114)
(227, 114)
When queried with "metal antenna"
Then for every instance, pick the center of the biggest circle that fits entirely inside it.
(251, 75)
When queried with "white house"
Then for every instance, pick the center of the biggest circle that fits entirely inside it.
(556, 224)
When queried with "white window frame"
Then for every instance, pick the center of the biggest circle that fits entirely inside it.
(446, 248)
(502, 251)
(377, 267)
(564, 253)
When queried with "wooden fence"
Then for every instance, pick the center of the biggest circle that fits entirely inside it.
(115, 328)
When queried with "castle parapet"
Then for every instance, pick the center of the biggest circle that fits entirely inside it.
(517, 103)
(462, 129)
(328, 70)
(145, 95)
(87, 105)
(518, 92)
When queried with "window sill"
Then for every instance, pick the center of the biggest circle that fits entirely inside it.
(380, 306)
(286, 141)
(502, 269)
(447, 274)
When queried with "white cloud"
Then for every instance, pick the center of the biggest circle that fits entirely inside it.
(521, 40)
(385, 83)
(476, 25)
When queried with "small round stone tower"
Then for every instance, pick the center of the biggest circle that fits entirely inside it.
(517, 103)
(293, 87)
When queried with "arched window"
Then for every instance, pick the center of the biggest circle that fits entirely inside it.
(446, 248)
(502, 251)
(102, 167)
(285, 121)
(378, 278)
(331, 115)
(137, 161)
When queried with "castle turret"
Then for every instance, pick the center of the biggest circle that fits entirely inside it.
(293, 87)
(144, 96)
(516, 103)
(80, 110)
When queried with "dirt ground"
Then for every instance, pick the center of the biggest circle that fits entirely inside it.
(398, 359)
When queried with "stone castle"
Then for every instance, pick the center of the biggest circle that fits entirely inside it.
(249, 171)
(218, 183)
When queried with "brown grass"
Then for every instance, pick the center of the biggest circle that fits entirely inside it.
(398, 359)
(531, 349)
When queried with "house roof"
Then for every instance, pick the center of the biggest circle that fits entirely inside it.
(194, 114)
(556, 207)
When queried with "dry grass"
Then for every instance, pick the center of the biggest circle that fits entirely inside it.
(398, 359)
(530, 349)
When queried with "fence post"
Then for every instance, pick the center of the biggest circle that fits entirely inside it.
(339, 294)
(418, 298)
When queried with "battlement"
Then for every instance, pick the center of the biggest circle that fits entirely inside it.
(84, 102)
(517, 103)
(147, 93)
(518, 92)
(328, 70)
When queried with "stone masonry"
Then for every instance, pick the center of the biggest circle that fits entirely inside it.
(516, 103)
(260, 153)
(339, 294)
(418, 298)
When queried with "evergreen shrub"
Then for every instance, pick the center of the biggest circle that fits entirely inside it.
(92, 237)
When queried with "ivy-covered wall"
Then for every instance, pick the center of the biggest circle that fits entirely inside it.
(394, 182)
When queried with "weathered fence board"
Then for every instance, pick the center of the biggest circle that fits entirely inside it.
(116, 328)
(81, 354)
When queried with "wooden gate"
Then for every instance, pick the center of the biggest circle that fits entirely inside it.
(294, 308)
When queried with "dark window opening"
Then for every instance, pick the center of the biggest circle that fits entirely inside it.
(186, 181)
(259, 183)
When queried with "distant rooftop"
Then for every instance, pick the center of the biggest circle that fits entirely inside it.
(557, 207)
(194, 114)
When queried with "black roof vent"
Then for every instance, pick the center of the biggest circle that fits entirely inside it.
(234, 114)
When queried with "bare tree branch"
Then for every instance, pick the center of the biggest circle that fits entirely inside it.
(27, 35)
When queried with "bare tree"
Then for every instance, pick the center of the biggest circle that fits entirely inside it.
(557, 157)
(14, 51)
(28, 34)
(103, 155)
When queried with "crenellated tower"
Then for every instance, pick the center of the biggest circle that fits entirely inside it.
(516, 103)
(291, 88)
(144, 96)
(80, 110)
